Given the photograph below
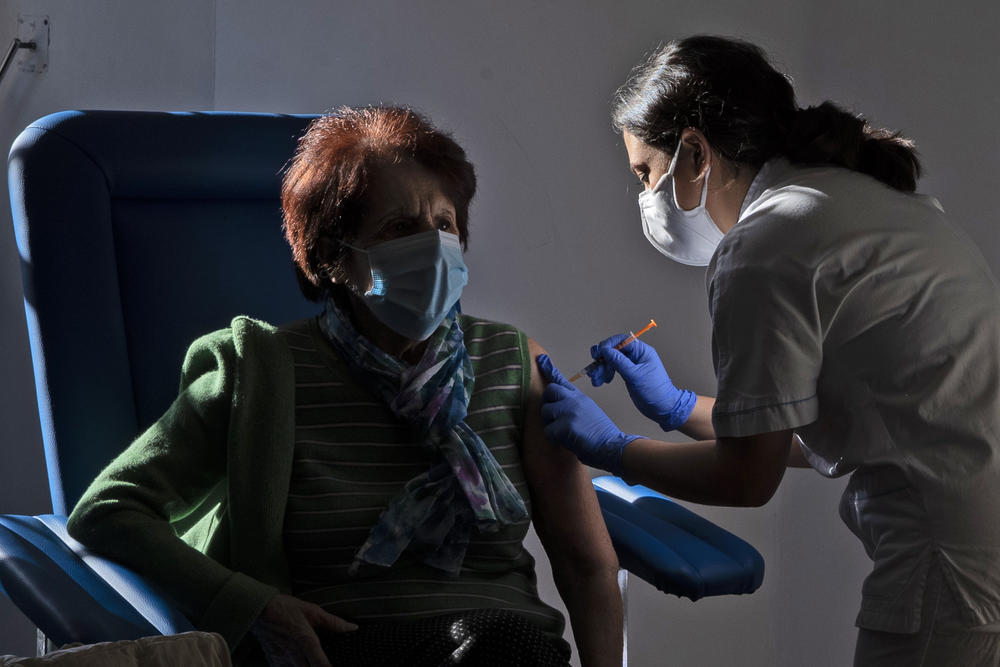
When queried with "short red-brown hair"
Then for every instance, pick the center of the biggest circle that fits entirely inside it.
(324, 192)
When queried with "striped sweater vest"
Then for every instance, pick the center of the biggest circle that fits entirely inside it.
(353, 456)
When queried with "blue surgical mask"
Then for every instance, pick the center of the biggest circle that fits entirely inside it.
(688, 237)
(415, 281)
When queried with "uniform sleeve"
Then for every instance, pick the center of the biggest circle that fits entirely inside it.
(766, 346)
(172, 479)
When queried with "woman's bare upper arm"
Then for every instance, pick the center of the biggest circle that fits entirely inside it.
(567, 516)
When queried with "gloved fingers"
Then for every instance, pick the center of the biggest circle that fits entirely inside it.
(557, 390)
(550, 412)
(610, 341)
(615, 360)
(558, 402)
(639, 352)
(555, 393)
(609, 362)
(551, 373)
(602, 374)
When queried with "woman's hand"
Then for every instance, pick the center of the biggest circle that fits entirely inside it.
(573, 420)
(286, 630)
(647, 381)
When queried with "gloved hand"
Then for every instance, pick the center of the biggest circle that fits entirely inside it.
(647, 381)
(573, 420)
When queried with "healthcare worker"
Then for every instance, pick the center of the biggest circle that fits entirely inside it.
(854, 329)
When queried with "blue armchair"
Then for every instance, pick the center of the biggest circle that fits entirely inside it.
(137, 232)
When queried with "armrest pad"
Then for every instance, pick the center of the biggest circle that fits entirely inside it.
(673, 548)
(73, 595)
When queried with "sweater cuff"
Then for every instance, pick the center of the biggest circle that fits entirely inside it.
(235, 607)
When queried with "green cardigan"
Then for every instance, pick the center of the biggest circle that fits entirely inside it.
(227, 503)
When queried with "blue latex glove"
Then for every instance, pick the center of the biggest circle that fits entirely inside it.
(647, 381)
(573, 420)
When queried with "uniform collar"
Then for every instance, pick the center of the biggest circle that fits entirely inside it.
(768, 174)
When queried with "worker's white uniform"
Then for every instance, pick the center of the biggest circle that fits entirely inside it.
(859, 316)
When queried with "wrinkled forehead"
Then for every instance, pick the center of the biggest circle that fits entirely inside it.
(407, 185)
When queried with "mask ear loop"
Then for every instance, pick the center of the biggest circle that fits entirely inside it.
(668, 174)
(673, 160)
(704, 186)
(352, 247)
(377, 288)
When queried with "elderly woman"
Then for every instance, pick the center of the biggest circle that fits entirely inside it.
(355, 488)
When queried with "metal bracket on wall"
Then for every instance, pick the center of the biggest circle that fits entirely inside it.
(34, 29)
(33, 42)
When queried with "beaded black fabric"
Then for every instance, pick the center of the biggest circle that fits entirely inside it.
(481, 638)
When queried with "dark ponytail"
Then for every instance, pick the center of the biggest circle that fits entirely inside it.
(746, 109)
(826, 134)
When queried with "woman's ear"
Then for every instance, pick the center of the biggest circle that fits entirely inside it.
(700, 152)
(326, 251)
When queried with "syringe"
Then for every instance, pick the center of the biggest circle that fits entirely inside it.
(586, 370)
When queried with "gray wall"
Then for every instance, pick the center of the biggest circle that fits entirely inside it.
(556, 245)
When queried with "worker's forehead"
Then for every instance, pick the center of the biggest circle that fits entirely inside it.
(642, 154)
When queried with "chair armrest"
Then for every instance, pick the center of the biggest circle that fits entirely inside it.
(72, 595)
(673, 548)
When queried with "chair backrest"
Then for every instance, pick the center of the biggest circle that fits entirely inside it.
(139, 231)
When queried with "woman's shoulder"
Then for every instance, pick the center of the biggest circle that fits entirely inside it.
(792, 215)
(832, 195)
(484, 336)
(802, 214)
(474, 326)
(241, 328)
(245, 337)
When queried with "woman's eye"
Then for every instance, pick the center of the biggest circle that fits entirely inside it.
(398, 226)
(644, 177)
(445, 225)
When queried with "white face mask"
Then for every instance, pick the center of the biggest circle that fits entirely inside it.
(688, 237)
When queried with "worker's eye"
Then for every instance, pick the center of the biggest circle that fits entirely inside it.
(643, 177)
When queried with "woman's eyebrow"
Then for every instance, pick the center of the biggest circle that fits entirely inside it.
(400, 211)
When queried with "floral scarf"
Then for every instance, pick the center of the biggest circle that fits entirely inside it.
(465, 487)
